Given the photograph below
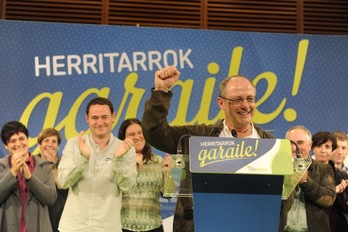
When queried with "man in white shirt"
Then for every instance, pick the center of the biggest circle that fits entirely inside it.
(237, 96)
(96, 168)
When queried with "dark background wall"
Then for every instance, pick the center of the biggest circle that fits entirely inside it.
(284, 16)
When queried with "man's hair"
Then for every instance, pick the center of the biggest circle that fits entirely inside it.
(100, 101)
(223, 83)
(11, 128)
(146, 151)
(305, 129)
(322, 137)
(48, 132)
(340, 135)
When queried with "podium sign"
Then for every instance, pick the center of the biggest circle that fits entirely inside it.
(237, 183)
(240, 156)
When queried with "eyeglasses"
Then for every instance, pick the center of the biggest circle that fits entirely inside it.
(240, 100)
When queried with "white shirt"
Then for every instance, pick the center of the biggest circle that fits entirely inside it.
(227, 133)
(345, 163)
(95, 186)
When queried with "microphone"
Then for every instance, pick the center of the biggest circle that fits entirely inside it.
(179, 147)
(298, 154)
(234, 133)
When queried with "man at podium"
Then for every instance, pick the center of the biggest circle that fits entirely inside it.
(237, 96)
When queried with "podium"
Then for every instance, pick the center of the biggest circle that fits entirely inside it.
(237, 184)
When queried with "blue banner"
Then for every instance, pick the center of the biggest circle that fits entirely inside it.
(50, 71)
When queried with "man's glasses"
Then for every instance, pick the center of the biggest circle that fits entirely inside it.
(240, 100)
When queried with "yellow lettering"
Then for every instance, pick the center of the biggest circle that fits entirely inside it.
(185, 96)
(212, 155)
(51, 113)
(54, 101)
(136, 96)
(263, 118)
(222, 154)
(206, 100)
(68, 123)
(230, 153)
(203, 112)
(236, 58)
(247, 151)
(131, 99)
(202, 155)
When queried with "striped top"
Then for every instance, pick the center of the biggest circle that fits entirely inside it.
(141, 206)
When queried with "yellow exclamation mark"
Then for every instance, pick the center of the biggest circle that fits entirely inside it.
(290, 113)
(256, 147)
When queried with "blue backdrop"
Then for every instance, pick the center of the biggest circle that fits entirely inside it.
(50, 71)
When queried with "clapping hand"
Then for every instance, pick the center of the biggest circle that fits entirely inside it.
(50, 154)
(26, 171)
(83, 146)
(341, 186)
(18, 164)
(125, 146)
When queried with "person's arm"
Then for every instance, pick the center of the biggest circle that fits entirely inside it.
(72, 164)
(341, 191)
(323, 192)
(55, 173)
(41, 183)
(156, 129)
(7, 183)
(124, 170)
